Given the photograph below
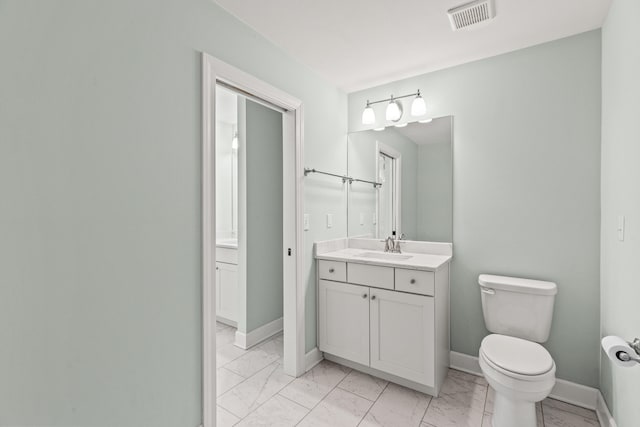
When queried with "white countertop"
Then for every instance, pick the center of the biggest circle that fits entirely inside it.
(418, 261)
(227, 243)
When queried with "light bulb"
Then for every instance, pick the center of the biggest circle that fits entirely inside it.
(368, 116)
(234, 142)
(394, 110)
(418, 106)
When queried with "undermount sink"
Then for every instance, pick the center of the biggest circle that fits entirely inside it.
(384, 255)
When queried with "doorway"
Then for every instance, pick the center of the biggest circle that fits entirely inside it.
(217, 74)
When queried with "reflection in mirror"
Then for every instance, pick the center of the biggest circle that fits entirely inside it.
(414, 167)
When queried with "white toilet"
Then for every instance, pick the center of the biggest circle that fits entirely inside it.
(518, 312)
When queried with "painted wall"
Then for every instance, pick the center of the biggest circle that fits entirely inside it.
(620, 271)
(263, 128)
(100, 235)
(435, 191)
(526, 184)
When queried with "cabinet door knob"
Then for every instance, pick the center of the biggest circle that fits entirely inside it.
(412, 281)
(373, 297)
(331, 270)
(364, 296)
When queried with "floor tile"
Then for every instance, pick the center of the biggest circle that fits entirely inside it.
(461, 402)
(254, 391)
(313, 386)
(363, 385)
(487, 418)
(224, 418)
(276, 412)
(251, 362)
(227, 353)
(557, 418)
(226, 380)
(491, 395)
(567, 407)
(397, 406)
(339, 408)
(274, 345)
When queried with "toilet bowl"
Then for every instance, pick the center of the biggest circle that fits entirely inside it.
(520, 370)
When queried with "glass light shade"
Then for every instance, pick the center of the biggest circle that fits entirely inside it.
(234, 142)
(429, 120)
(394, 111)
(418, 107)
(401, 125)
(368, 116)
(379, 129)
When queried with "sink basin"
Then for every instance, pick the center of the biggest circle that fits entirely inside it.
(384, 256)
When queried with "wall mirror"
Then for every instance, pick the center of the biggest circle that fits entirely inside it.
(412, 168)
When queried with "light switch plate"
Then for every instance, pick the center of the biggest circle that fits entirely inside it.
(329, 220)
(361, 218)
(306, 222)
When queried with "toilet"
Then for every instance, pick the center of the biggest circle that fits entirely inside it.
(518, 313)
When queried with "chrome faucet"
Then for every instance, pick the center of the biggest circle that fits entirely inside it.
(388, 244)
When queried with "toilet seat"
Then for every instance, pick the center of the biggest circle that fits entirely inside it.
(517, 358)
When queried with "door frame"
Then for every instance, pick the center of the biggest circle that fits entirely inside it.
(213, 71)
(396, 155)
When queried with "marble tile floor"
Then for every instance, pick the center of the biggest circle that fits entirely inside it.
(253, 390)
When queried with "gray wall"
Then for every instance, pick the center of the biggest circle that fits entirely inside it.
(264, 215)
(435, 196)
(100, 235)
(526, 184)
(620, 270)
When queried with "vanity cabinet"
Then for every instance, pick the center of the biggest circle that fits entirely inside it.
(227, 285)
(386, 321)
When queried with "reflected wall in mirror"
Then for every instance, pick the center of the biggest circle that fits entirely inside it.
(414, 167)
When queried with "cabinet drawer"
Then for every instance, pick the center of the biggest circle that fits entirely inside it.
(370, 275)
(332, 270)
(415, 281)
(227, 255)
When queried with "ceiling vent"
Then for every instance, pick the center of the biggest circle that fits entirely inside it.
(472, 13)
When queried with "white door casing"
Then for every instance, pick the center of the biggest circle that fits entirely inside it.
(213, 71)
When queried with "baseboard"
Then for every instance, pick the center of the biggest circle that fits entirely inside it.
(312, 358)
(604, 416)
(248, 340)
(565, 391)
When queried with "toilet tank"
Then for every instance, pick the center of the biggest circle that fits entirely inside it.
(517, 307)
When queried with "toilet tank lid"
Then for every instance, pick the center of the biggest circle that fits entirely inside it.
(515, 284)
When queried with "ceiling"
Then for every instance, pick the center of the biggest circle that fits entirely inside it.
(357, 44)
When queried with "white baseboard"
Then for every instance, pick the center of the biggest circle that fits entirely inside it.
(248, 340)
(604, 416)
(565, 391)
(312, 358)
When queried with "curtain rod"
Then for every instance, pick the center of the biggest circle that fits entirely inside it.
(344, 178)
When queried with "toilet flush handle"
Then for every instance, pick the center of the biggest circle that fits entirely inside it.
(488, 291)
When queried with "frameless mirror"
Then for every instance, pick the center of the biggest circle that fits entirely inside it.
(410, 192)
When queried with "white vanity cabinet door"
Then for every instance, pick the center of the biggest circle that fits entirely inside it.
(343, 313)
(226, 291)
(402, 335)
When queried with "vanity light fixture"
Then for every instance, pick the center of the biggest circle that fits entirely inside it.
(368, 116)
(418, 106)
(393, 112)
(234, 141)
